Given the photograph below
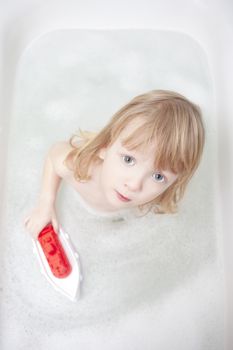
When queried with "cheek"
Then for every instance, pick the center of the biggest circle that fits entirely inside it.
(114, 175)
(112, 165)
(152, 191)
(109, 169)
(153, 194)
(161, 190)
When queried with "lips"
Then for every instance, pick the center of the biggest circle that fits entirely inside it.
(122, 198)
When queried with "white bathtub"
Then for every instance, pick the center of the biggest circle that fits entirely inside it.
(161, 323)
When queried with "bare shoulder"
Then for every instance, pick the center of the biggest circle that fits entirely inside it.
(58, 153)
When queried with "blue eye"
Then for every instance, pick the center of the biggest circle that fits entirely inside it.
(127, 159)
(159, 177)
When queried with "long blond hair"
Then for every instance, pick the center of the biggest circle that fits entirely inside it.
(169, 118)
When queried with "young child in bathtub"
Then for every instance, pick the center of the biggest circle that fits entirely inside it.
(144, 158)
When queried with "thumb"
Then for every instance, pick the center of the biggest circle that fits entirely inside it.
(55, 225)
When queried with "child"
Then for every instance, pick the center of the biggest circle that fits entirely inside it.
(144, 158)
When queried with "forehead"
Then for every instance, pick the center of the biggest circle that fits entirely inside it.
(131, 127)
(128, 130)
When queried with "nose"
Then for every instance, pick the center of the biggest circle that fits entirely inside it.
(134, 184)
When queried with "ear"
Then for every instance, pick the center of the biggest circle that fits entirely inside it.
(102, 153)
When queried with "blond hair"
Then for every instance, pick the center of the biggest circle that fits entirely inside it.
(169, 118)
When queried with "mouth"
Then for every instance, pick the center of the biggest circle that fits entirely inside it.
(122, 198)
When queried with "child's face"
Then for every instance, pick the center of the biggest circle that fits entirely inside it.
(131, 174)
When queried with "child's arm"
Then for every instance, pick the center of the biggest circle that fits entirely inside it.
(53, 172)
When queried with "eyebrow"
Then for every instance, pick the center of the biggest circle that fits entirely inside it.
(121, 144)
(132, 150)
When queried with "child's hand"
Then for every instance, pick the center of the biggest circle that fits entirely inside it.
(40, 216)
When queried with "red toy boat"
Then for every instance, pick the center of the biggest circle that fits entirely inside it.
(59, 261)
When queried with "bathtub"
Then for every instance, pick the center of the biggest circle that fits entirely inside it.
(198, 313)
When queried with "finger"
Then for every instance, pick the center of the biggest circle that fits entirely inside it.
(34, 233)
(26, 220)
(55, 225)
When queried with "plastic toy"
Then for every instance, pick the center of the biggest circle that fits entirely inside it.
(54, 252)
(59, 261)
